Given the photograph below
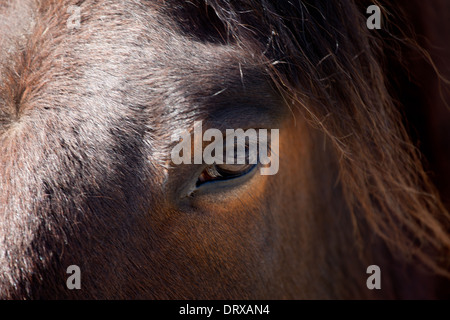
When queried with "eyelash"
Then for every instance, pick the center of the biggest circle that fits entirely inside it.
(217, 172)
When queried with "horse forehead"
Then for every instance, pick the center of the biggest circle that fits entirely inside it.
(123, 63)
(116, 45)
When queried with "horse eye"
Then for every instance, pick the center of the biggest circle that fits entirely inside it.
(224, 172)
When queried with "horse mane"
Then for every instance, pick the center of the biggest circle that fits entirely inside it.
(328, 64)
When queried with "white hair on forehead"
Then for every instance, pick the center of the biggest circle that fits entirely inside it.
(17, 21)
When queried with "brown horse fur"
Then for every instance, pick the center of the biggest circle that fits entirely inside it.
(85, 122)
